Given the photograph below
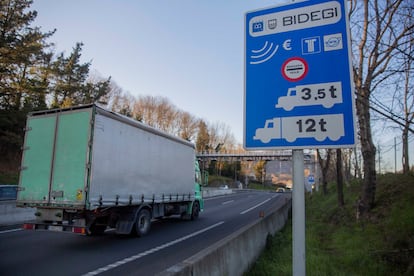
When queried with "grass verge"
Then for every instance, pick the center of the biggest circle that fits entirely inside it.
(382, 243)
(9, 178)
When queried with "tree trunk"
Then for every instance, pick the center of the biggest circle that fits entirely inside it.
(407, 114)
(357, 169)
(405, 159)
(324, 184)
(324, 169)
(368, 150)
(339, 178)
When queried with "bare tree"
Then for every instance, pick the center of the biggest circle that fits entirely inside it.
(356, 163)
(221, 136)
(119, 100)
(403, 103)
(408, 117)
(203, 137)
(157, 112)
(347, 161)
(160, 113)
(408, 103)
(187, 125)
(324, 158)
(377, 35)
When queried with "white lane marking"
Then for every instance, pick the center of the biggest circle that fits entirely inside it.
(227, 202)
(248, 210)
(150, 251)
(10, 231)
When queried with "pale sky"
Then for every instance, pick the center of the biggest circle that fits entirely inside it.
(189, 51)
(186, 50)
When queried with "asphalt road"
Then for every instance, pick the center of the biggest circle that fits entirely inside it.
(170, 241)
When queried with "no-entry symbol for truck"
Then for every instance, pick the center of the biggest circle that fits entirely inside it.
(298, 77)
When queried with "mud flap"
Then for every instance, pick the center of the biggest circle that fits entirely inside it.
(124, 227)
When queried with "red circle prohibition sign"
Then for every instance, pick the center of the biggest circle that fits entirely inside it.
(295, 69)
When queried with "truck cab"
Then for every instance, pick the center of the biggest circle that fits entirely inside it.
(289, 101)
(271, 130)
(198, 193)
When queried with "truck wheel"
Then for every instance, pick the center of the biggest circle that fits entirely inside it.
(288, 107)
(265, 140)
(143, 222)
(195, 211)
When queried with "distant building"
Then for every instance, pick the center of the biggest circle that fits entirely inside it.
(279, 172)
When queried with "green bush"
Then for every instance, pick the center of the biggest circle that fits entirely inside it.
(9, 178)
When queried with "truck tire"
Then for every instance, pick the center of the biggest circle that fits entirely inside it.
(265, 140)
(195, 211)
(143, 222)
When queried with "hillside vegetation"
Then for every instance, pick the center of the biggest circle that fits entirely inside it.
(381, 243)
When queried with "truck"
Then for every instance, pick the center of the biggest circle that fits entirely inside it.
(319, 127)
(87, 169)
(325, 94)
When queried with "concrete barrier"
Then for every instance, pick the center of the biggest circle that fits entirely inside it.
(236, 253)
(211, 192)
(10, 214)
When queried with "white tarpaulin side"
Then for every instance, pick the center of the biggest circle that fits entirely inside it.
(131, 160)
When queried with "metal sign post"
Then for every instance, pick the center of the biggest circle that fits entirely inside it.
(298, 215)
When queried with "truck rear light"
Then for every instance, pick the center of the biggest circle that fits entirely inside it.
(29, 226)
(79, 230)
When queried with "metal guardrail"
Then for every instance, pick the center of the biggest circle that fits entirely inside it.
(282, 155)
(8, 192)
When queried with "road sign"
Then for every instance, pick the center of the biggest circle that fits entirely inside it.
(311, 179)
(298, 77)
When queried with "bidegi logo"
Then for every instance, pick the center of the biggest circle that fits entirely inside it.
(296, 19)
(257, 27)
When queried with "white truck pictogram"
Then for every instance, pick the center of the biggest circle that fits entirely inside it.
(325, 94)
(319, 127)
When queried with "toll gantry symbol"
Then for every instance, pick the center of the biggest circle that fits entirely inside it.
(264, 54)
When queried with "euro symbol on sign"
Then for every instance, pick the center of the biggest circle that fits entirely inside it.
(286, 45)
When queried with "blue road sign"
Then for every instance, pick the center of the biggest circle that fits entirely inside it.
(311, 179)
(298, 77)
